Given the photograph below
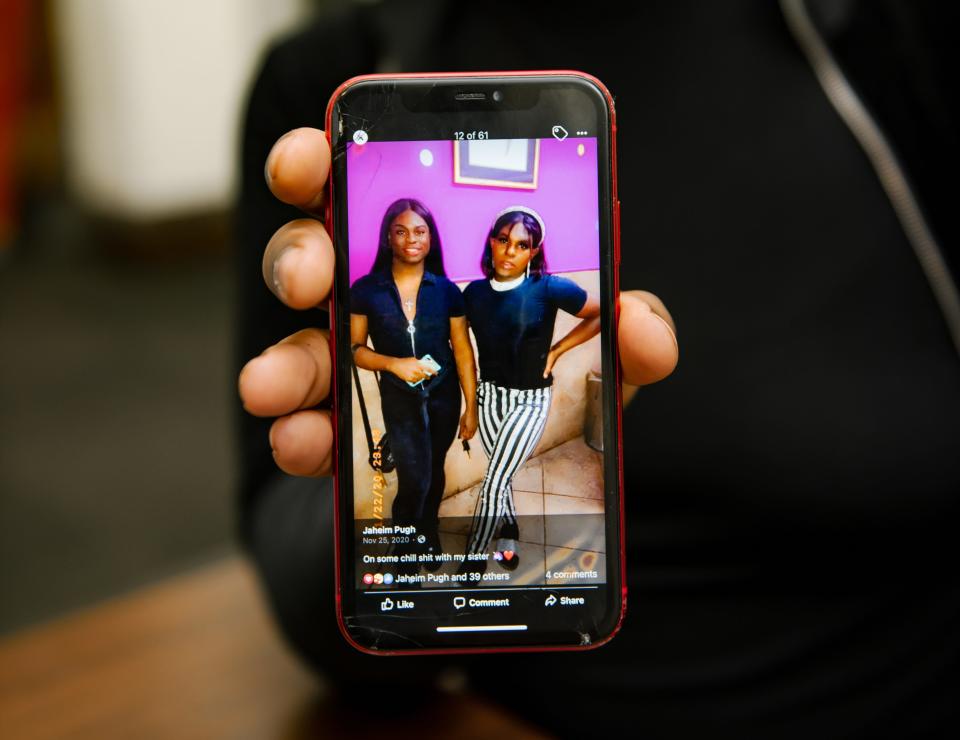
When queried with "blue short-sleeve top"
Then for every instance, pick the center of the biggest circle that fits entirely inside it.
(514, 328)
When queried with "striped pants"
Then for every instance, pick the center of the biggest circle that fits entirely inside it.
(511, 424)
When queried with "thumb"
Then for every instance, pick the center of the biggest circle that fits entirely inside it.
(648, 343)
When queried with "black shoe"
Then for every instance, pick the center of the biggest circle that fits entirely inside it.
(408, 565)
(407, 570)
(507, 554)
(467, 567)
(432, 547)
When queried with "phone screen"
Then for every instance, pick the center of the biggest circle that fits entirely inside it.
(478, 471)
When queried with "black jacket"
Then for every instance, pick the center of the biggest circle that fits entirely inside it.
(792, 490)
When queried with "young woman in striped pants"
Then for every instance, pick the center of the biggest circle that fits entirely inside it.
(512, 313)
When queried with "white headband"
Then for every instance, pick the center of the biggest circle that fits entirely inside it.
(529, 212)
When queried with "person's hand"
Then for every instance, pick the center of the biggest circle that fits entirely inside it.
(647, 338)
(468, 423)
(292, 377)
(410, 369)
(552, 356)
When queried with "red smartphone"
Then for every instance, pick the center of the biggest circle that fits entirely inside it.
(476, 378)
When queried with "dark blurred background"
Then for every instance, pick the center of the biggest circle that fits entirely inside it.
(117, 171)
(125, 609)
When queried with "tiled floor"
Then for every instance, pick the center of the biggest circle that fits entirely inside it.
(566, 480)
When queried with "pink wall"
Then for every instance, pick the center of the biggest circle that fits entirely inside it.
(566, 197)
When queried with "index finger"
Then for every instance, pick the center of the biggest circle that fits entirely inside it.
(297, 167)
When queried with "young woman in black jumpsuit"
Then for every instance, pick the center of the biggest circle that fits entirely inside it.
(410, 309)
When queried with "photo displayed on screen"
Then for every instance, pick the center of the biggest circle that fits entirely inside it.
(477, 383)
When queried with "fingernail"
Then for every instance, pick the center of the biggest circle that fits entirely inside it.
(670, 331)
(273, 446)
(277, 274)
(268, 165)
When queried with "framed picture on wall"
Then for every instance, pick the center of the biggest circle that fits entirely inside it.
(499, 163)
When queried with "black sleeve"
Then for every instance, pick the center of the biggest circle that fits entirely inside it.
(455, 299)
(566, 294)
(359, 298)
(468, 295)
(295, 81)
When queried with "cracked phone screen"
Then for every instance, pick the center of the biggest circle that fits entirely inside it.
(474, 308)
